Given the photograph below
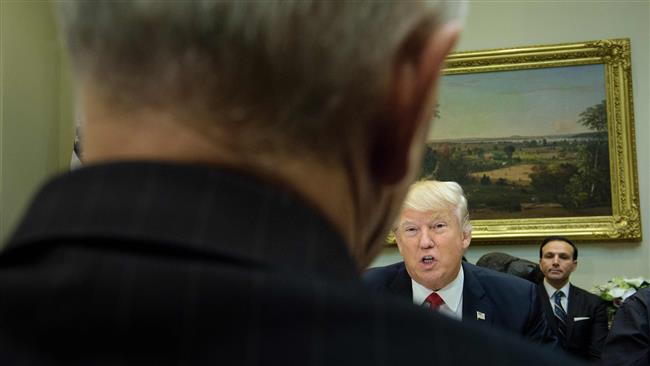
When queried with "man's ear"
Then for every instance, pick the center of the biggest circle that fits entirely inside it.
(410, 102)
(467, 238)
(399, 246)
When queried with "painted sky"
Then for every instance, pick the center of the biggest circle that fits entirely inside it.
(523, 102)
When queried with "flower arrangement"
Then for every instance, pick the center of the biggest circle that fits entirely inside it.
(616, 290)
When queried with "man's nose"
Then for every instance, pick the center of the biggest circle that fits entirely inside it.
(425, 240)
(556, 260)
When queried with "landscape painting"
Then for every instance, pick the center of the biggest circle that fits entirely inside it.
(542, 140)
(529, 143)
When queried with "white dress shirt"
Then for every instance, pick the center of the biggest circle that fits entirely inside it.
(550, 290)
(452, 294)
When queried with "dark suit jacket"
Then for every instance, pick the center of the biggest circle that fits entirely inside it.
(508, 302)
(628, 343)
(162, 264)
(585, 337)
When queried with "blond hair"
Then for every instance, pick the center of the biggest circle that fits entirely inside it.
(437, 196)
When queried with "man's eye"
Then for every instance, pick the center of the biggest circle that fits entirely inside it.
(410, 230)
(439, 226)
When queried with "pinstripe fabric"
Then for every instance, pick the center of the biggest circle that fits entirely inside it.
(561, 317)
(585, 338)
(162, 264)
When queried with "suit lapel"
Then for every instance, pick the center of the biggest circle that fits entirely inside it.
(477, 308)
(401, 284)
(574, 305)
(546, 305)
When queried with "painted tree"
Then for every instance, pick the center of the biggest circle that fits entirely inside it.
(509, 150)
(595, 117)
(429, 163)
(451, 165)
(591, 185)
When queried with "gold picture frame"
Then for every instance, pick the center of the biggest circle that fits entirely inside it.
(620, 222)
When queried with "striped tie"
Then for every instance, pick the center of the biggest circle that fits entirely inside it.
(560, 314)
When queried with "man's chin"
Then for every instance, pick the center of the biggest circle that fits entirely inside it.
(557, 279)
(430, 283)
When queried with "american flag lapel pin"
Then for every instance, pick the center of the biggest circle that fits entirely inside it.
(480, 316)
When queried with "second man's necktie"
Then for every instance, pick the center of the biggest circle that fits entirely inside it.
(561, 317)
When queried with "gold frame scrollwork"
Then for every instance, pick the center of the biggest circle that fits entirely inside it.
(614, 54)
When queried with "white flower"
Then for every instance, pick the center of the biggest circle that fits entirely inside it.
(616, 292)
(617, 289)
(636, 282)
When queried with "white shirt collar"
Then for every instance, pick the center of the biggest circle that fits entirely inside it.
(550, 290)
(452, 294)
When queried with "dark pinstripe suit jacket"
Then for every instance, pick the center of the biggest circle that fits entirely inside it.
(586, 322)
(155, 264)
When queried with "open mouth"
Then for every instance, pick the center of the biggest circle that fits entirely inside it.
(427, 259)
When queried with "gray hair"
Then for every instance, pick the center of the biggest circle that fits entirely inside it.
(434, 195)
(299, 69)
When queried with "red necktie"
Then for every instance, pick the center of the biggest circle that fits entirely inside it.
(433, 301)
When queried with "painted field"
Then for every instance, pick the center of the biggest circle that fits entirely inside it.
(516, 174)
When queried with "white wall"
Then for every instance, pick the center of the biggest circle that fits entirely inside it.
(500, 24)
(35, 108)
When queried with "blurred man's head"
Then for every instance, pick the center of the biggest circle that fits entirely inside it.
(558, 258)
(433, 231)
(331, 98)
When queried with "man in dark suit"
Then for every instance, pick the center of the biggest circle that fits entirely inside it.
(628, 342)
(578, 318)
(242, 163)
(432, 233)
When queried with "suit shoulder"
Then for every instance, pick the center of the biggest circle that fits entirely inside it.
(640, 300)
(586, 294)
(643, 295)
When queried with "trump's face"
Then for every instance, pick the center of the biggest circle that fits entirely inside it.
(432, 244)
